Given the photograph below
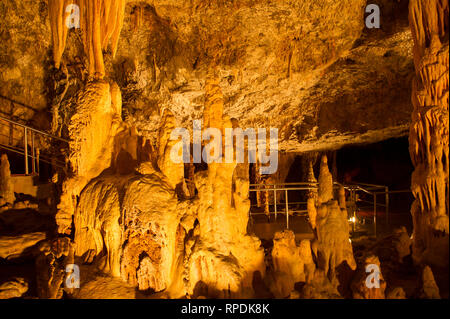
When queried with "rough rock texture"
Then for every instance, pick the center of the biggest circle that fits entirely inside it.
(311, 202)
(359, 284)
(311, 69)
(308, 68)
(13, 289)
(272, 67)
(429, 131)
(291, 263)
(128, 233)
(6, 187)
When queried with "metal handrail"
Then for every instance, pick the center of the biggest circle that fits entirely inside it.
(304, 186)
(41, 158)
(34, 130)
(35, 154)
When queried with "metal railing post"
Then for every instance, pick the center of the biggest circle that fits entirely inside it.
(353, 199)
(375, 213)
(386, 189)
(275, 200)
(33, 154)
(25, 142)
(287, 209)
(37, 159)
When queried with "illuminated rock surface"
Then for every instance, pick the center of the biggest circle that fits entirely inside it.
(140, 225)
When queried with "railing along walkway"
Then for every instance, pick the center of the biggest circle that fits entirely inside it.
(29, 148)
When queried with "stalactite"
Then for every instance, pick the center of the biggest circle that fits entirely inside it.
(58, 17)
(100, 21)
(429, 141)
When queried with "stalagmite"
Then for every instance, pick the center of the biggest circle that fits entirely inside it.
(97, 225)
(6, 187)
(429, 289)
(173, 171)
(51, 267)
(325, 192)
(291, 263)
(402, 243)
(223, 258)
(92, 129)
(312, 197)
(151, 232)
(429, 131)
(334, 246)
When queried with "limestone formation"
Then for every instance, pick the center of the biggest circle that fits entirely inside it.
(334, 246)
(92, 128)
(139, 224)
(312, 197)
(151, 233)
(51, 264)
(429, 289)
(173, 171)
(13, 289)
(6, 187)
(429, 131)
(402, 243)
(291, 263)
(97, 226)
(223, 258)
